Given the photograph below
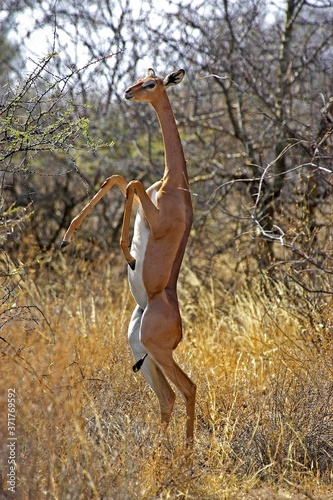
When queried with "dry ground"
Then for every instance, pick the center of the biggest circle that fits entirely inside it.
(88, 427)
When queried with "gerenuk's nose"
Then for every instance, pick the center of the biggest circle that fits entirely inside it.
(128, 94)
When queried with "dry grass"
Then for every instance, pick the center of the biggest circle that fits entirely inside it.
(87, 427)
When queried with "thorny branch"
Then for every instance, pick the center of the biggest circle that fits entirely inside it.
(36, 116)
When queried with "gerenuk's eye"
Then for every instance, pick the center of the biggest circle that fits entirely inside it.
(149, 85)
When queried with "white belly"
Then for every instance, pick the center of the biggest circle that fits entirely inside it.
(138, 249)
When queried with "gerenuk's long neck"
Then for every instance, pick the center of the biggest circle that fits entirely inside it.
(175, 165)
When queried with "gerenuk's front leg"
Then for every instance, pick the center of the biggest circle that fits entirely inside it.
(114, 180)
(150, 210)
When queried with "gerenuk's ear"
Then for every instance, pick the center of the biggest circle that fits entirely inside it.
(173, 78)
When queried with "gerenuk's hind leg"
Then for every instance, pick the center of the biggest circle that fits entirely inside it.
(160, 334)
(152, 373)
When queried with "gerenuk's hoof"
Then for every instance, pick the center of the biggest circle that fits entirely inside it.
(132, 264)
(64, 244)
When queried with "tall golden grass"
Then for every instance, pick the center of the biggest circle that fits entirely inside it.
(88, 427)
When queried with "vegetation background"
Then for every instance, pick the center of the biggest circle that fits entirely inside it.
(255, 114)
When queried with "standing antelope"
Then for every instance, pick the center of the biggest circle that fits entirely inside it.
(162, 225)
